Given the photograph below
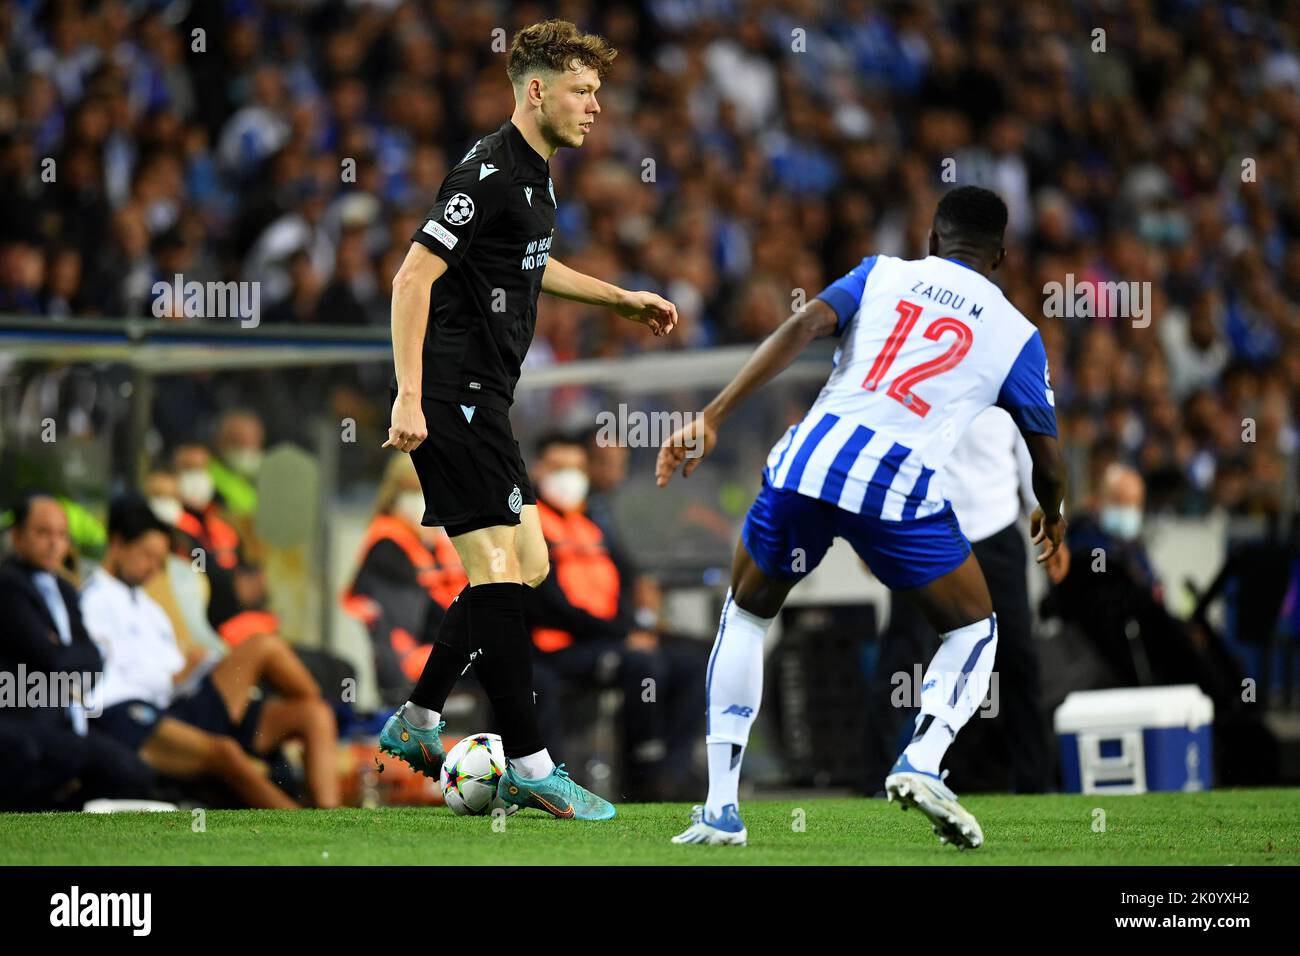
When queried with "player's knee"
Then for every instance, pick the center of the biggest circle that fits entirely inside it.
(506, 573)
(264, 644)
(534, 573)
(318, 718)
(962, 614)
(757, 597)
(981, 608)
(754, 592)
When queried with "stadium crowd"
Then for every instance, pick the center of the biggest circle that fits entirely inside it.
(746, 150)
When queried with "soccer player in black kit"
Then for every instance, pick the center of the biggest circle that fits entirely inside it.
(464, 310)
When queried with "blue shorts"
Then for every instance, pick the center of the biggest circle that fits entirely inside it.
(787, 535)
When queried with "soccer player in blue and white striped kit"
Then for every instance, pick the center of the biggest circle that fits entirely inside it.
(926, 346)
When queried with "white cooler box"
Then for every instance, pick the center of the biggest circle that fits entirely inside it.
(1135, 739)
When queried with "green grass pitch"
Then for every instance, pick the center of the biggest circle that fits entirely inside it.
(1219, 827)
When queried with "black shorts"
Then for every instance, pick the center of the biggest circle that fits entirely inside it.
(206, 710)
(130, 722)
(470, 468)
(133, 722)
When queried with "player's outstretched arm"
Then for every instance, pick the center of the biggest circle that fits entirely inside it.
(696, 439)
(412, 287)
(1047, 525)
(645, 307)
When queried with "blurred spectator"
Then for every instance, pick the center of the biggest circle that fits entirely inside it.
(181, 592)
(236, 606)
(206, 729)
(50, 755)
(607, 470)
(407, 578)
(1112, 593)
(351, 298)
(22, 276)
(240, 445)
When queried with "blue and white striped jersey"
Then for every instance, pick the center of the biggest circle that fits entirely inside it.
(927, 345)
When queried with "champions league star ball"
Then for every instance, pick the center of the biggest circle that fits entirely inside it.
(470, 775)
(459, 210)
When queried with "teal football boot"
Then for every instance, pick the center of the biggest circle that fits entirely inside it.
(556, 794)
(421, 749)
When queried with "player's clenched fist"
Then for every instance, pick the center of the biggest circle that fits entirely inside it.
(688, 444)
(407, 428)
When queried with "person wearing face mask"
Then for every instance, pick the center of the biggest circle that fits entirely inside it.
(236, 605)
(585, 633)
(183, 594)
(1116, 526)
(234, 468)
(1112, 594)
(407, 577)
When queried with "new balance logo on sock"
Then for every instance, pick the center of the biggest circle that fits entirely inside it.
(739, 710)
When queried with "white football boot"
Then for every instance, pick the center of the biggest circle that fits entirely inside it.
(726, 830)
(929, 794)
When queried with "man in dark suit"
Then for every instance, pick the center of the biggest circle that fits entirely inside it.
(49, 758)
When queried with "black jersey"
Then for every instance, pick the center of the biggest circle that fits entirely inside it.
(492, 223)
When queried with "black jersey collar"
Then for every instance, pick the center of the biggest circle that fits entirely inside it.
(525, 155)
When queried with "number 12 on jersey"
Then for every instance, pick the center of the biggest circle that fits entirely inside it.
(900, 389)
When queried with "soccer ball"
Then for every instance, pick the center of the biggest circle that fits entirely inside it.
(470, 775)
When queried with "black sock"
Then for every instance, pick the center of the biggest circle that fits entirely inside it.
(504, 664)
(448, 658)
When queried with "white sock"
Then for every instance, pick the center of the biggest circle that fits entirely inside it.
(534, 766)
(734, 691)
(724, 776)
(926, 750)
(953, 689)
(421, 718)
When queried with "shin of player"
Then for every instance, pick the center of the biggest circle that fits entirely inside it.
(952, 689)
(733, 694)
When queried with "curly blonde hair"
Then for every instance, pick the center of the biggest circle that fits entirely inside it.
(557, 46)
